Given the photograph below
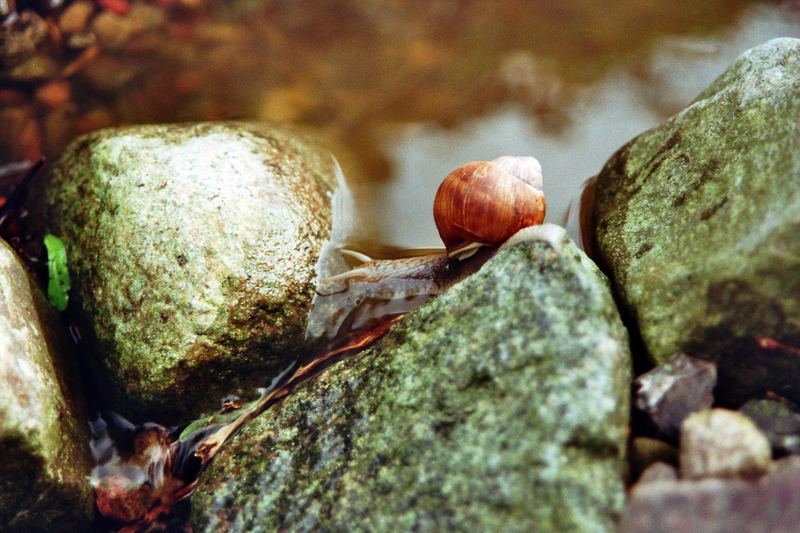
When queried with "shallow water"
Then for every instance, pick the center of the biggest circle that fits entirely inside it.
(403, 93)
(632, 97)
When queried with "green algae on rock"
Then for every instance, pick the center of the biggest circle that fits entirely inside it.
(501, 405)
(697, 222)
(43, 429)
(193, 251)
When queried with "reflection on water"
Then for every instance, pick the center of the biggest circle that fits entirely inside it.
(403, 92)
(603, 116)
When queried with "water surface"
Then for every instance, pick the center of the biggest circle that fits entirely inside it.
(404, 92)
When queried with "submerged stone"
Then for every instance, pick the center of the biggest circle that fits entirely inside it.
(502, 405)
(697, 222)
(655, 473)
(43, 433)
(193, 251)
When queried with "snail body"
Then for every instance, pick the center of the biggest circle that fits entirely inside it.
(383, 287)
(480, 204)
(486, 202)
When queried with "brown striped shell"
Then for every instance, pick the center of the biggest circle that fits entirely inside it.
(486, 202)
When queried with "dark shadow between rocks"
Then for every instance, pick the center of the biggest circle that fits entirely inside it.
(749, 365)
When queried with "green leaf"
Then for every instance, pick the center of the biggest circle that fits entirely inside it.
(58, 273)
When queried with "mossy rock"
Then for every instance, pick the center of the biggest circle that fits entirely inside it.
(193, 251)
(500, 406)
(44, 441)
(697, 223)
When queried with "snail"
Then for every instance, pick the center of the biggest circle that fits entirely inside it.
(485, 202)
(478, 207)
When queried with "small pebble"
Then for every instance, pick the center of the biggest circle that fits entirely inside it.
(646, 451)
(722, 443)
(109, 74)
(675, 389)
(75, 18)
(112, 31)
(146, 17)
(54, 94)
(657, 472)
(20, 37)
(36, 68)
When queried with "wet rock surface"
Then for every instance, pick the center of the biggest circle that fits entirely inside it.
(672, 391)
(193, 251)
(722, 443)
(501, 405)
(697, 223)
(43, 428)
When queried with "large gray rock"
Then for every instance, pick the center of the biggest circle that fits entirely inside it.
(193, 251)
(500, 406)
(697, 222)
(44, 442)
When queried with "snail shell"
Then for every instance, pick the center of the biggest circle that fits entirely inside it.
(486, 202)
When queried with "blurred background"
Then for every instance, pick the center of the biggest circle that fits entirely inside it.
(401, 92)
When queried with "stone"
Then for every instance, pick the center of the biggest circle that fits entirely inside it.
(722, 443)
(193, 251)
(146, 17)
(109, 74)
(54, 95)
(647, 451)
(672, 391)
(716, 505)
(655, 473)
(500, 405)
(114, 31)
(43, 428)
(696, 223)
(778, 421)
(36, 68)
(20, 37)
(75, 18)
